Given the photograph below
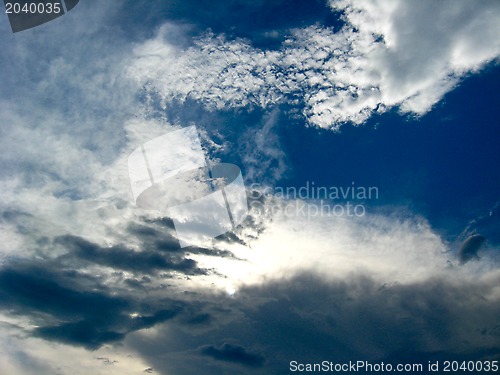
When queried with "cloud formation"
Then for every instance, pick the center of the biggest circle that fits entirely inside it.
(85, 275)
(119, 257)
(308, 319)
(470, 247)
(232, 353)
(402, 54)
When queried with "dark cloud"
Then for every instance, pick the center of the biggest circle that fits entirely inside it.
(121, 257)
(92, 333)
(359, 318)
(233, 353)
(138, 283)
(265, 23)
(470, 247)
(310, 320)
(487, 224)
(78, 310)
(36, 291)
(230, 237)
(200, 319)
(159, 234)
(303, 318)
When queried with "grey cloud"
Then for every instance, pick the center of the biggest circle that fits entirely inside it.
(36, 291)
(307, 319)
(123, 258)
(361, 319)
(263, 22)
(233, 353)
(159, 235)
(262, 152)
(200, 319)
(93, 333)
(77, 100)
(73, 131)
(470, 248)
(87, 333)
(380, 59)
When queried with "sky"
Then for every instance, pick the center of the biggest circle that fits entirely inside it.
(366, 133)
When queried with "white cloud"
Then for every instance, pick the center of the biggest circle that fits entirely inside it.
(405, 54)
(428, 45)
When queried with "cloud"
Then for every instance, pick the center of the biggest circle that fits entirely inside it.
(85, 311)
(93, 333)
(28, 288)
(401, 54)
(119, 257)
(32, 290)
(381, 288)
(427, 46)
(309, 319)
(262, 154)
(291, 242)
(83, 269)
(395, 267)
(232, 353)
(62, 107)
(25, 355)
(264, 22)
(85, 333)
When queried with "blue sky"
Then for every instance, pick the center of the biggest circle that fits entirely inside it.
(400, 96)
(442, 164)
